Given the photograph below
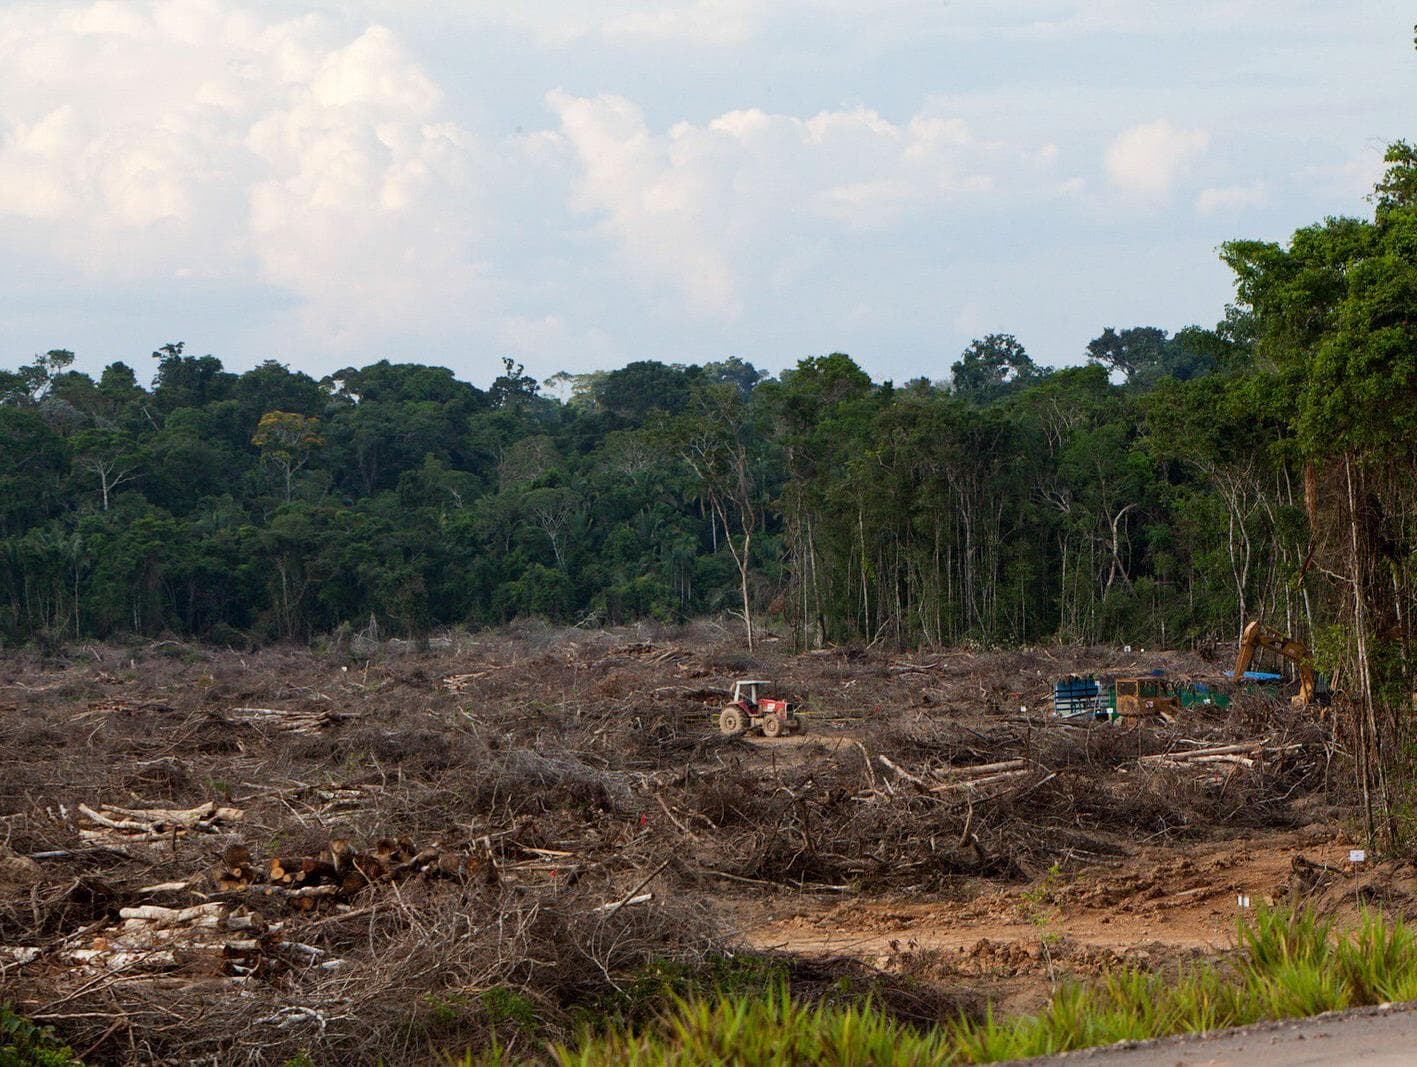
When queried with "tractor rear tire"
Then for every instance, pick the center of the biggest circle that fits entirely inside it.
(773, 726)
(731, 720)
(795, 725)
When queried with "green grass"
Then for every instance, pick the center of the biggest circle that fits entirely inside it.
(1285, 965)
(772, 1030)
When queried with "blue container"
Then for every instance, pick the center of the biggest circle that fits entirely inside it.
(1078, 695)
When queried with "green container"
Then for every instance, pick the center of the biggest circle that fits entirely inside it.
(1202, 694)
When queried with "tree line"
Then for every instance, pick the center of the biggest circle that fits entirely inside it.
(1009, 503)
(1159, 494)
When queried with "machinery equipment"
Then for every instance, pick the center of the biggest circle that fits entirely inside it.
(1137, 697)
(1079, 698)
(751, 710)
(1256, 635)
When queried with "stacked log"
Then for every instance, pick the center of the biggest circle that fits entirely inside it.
(287, 721)
(113, 823)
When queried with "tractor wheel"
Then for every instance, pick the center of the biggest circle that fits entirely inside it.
(731, 720)
(773, 726)
(795, 724)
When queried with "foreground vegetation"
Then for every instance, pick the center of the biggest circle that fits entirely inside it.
(1287, 965)
(23, 1044)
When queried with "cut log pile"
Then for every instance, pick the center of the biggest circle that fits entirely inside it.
(341, 799)
(113, 824)
(650, 653)
(288, 721)
(340, 870)
(121, 707)
(1242, 754)
(210, 940)
(456, 683)
(1205, 760)
(982, 774)
(1215, 763)
(225, 934)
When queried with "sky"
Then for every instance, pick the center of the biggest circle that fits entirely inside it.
(580, 185)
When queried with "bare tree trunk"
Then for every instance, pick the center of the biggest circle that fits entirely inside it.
(1371, 772)
(741, 559)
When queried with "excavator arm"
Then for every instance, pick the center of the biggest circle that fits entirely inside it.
(1256, 636)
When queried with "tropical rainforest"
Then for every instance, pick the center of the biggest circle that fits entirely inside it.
(1163, 491)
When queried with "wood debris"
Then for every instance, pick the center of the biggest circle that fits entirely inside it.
(456, 683)
(695, 694)
(122, 707)
(113, 823)
(154, 940)
(235, 869)
(287, 721)
(223, 937)
(340, 871)
(1216, 763)
(914, 668)
(214, 940)
(964, 777)
(1241, 754)
(651, 653)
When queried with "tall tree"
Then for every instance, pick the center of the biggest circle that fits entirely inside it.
(1336, 313)
(111, 456)
(287, 440)
(713, 439)
(991, 367)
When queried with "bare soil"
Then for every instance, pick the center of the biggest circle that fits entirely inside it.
(493, 830)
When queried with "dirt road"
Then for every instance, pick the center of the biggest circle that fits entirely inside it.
(1372, 1037)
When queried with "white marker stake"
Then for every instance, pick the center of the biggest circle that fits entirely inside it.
(1355, 857)
(1243, 900)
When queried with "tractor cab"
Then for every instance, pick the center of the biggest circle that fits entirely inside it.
(745, 691)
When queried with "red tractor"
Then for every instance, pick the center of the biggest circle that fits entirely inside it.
(749, 711)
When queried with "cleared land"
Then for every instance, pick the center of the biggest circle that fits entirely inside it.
(371, 851)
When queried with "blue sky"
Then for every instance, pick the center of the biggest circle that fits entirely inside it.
(581, 185)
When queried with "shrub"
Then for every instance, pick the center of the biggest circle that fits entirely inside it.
(25, 1044)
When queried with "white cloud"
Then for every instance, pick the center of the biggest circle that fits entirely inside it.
(181, 138)
(1232, 197)
(1355, 176)
(1145, 161)
(713, 206)
(634, 23)
(1135, 17)
(717, 22)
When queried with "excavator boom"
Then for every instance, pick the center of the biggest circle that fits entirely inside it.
(1256, 635)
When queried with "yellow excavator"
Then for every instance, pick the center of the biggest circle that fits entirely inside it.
(1256, 636)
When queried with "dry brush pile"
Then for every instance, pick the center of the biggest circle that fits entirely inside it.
(235, 857)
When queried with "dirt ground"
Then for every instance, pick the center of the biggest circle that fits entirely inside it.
(368, 851)
(1156, 907)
